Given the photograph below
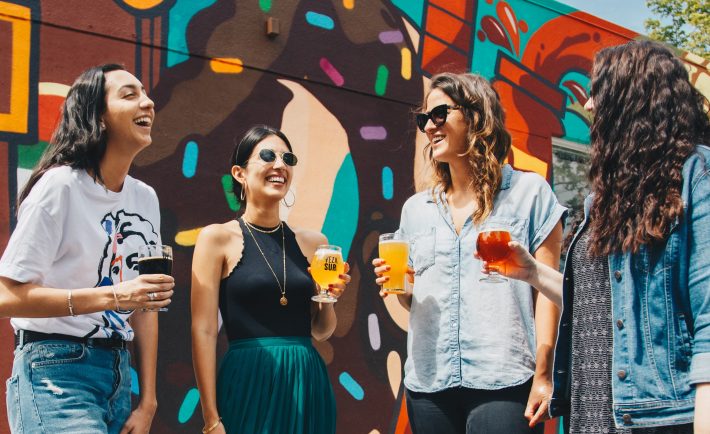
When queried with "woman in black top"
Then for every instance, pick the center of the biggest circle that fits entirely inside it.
(255, 270)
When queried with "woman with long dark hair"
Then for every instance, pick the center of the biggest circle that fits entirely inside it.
(478, 355)
(69, 278)
(253, 270)
(633, 353)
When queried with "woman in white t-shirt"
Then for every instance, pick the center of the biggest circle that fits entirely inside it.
(68, 277)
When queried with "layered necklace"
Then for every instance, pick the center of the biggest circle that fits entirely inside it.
(250, 226)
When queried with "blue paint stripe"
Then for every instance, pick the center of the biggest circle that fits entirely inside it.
(189, 160)
(135, 385)
(387, 183)
(352, 386)
(188, 406)
(341, 219)
(320, 20)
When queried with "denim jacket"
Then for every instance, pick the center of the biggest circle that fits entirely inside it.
(661, 316)
(463, 332)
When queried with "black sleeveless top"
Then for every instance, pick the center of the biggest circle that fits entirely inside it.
(249, 296)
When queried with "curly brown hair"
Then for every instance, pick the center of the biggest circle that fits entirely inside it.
(648, 119)
(488, 140)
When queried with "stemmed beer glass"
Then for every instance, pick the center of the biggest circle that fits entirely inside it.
(492, 247)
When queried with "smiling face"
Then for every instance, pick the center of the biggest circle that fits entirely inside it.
(129, 114)
(265, 181)
(448, 141)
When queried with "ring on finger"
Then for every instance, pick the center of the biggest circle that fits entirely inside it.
(151, 296)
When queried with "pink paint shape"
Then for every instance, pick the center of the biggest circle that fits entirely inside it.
(373, 133)
(391, 37)
(331, 72)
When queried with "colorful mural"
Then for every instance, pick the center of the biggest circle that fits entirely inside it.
(341, 79)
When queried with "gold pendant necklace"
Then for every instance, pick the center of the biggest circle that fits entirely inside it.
(283, 300)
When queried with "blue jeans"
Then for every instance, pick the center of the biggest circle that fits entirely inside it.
(62, 386)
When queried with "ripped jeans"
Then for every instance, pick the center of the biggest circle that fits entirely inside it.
(62, 386)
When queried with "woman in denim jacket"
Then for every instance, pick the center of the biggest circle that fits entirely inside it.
(473, 346)
(633, 353)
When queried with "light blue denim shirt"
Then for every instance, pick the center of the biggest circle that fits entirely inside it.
(463, 332)
(661, 317)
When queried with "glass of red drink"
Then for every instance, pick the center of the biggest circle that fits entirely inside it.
(492, 247)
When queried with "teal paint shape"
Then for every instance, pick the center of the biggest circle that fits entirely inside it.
(28, 155)
(320, 20)
(352, 386)
(135, 385)
(576, 127)
(414, 9)
(189, 159)
(188, 406)
(341, 219)
(228, 188)
(381, 80)
(387, 183)
(179, 18)
(265, 5)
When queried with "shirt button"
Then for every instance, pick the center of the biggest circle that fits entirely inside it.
(627, 418)
(621, 374)
(619, 324)
(617, 274)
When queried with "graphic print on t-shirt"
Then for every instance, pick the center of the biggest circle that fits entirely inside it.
(119, 261)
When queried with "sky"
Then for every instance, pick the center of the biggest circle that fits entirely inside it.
(627, 13)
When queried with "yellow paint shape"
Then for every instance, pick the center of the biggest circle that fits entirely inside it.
(227, 65)
(20, 19)
(143, 4)
(525, 161)
(349, 4)
(406, 63)
(187, 238)
(413, 34)
(394, 371)
(321, 143)
(55, 89)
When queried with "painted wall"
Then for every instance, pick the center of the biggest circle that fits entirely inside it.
(341, 80)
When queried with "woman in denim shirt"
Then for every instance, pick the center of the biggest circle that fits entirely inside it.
(472, 346)
(633, 353)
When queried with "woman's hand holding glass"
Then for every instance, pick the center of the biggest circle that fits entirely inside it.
(337, 289)
(147, 291)
(519, 265)
(381, 268)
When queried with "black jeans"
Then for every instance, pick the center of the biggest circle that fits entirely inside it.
(471, 411)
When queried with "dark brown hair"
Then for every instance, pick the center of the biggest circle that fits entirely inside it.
(648, 118)
(78, 141)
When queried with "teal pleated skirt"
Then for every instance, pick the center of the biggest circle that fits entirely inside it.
(275, 385)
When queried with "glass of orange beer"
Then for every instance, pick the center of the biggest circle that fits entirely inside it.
(492, 247)
(394, 249)
(326, 267)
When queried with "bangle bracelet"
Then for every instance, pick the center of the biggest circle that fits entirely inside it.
(205, 430)
(70, 304)
(115, 298)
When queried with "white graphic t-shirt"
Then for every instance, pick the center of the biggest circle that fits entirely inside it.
(73, 233)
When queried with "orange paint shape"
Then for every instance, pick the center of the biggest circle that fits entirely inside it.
(19, 17)
(517, 74)
(227, 65)
(448, 28)
(461, 8)
(402, 426)
(143, 4)
(49, 109)
(437, 56)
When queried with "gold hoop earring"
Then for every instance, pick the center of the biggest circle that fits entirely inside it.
(293, 195)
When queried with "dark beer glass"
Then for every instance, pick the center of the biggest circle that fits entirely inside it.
(492, 247)
(155, 259)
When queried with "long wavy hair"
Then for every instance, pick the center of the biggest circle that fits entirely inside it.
(488, 141)
(79, 140)
(648, 118)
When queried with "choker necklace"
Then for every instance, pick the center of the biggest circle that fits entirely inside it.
(259, 229)
(249, 226)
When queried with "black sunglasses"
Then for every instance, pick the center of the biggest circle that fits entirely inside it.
(437, 115)
(269, 156)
